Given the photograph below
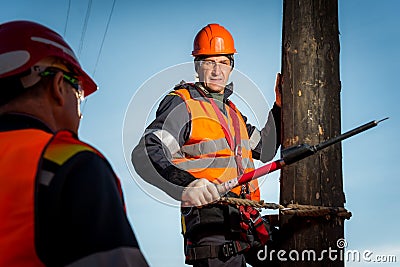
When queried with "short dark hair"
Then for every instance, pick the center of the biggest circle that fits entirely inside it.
(12, 89)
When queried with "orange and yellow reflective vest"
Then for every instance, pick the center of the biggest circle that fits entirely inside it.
(208, 153)
(22, 153)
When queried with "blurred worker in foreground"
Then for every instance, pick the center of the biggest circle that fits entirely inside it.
(199, 139)
(60, 201)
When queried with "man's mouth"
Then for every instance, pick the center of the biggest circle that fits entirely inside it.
(216, 80)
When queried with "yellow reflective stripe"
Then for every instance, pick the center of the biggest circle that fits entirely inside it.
(167, 139)
(211, 146)
(204, 163)
(60, 153)
(205, 147)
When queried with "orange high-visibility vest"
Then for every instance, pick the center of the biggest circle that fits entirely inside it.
(207, 153)
(21, 154)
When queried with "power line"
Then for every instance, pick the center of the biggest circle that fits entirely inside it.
(104, 37)
(66, 21)
(84, 27)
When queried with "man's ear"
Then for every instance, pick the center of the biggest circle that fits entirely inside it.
(58, 89)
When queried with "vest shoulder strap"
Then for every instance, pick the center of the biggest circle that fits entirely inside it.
(183, 90)
(185, 85)
(65, 145)
(62, 146)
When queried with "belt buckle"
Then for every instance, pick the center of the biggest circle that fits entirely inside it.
(228, 249)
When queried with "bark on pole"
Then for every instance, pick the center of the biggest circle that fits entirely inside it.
(311, 114)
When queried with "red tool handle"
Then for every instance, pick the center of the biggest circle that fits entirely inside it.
(247, 177)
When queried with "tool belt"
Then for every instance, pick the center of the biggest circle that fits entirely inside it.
(223, 252)
(243, 225)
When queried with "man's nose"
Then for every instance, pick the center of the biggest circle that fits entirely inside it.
(216, 69)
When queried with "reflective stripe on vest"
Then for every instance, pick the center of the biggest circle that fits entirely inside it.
(207, 153)
(22, 152)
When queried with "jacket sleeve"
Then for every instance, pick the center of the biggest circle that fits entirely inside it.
(81, 216)
(163, 138)
(265, 143)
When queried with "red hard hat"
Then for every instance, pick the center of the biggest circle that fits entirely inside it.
(213, 39)
(24, 43)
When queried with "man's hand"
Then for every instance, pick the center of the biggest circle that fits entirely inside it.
(199, 192)
(278, 89)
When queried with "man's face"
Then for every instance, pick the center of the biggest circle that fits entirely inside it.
(214, 73)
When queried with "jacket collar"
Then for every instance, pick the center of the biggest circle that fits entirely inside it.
(18, 121)
(195, 94)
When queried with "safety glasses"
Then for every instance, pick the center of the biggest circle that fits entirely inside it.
(74, 82)
(211, 64)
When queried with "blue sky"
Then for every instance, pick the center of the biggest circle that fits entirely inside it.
(146, 38)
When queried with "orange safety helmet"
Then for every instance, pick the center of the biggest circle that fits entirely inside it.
(25, 43)
(213, 39)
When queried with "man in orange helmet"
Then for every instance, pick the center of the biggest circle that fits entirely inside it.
(60, 201)
(199, 139)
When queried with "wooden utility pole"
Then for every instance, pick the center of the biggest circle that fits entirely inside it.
(311, 114)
